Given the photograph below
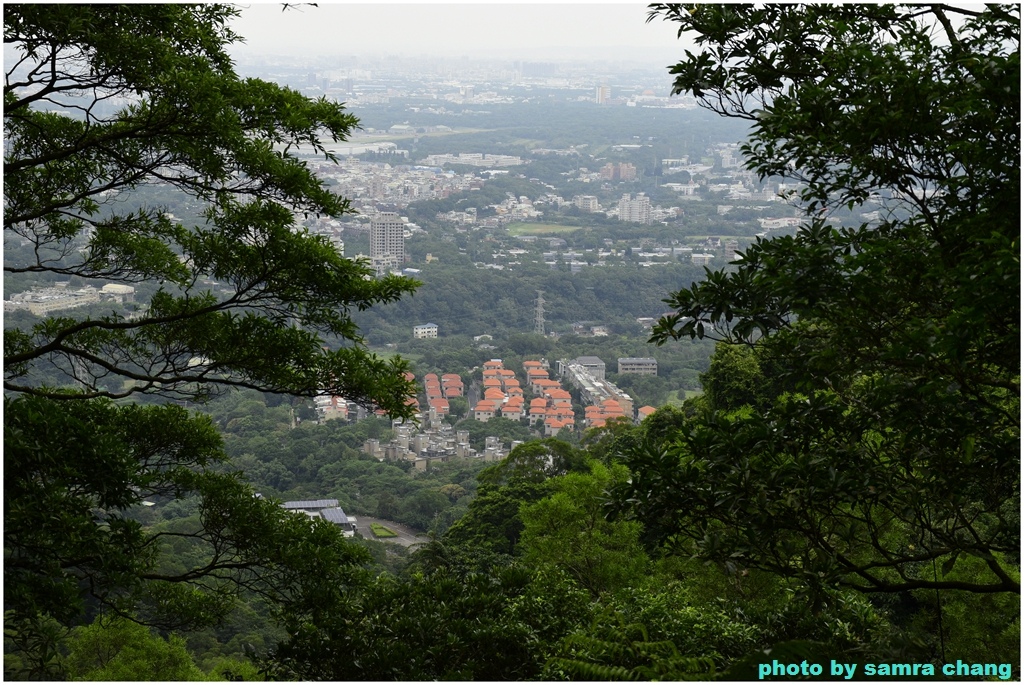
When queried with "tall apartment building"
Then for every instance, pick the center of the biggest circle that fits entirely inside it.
(637, 210)
(604, 94)
(623, 171)
(387, 241)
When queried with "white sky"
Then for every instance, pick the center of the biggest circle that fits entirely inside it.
(531, 30)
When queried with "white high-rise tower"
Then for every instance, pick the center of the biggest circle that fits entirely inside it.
(387, 241)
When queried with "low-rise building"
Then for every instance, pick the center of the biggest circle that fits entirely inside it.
(427, 330)
(642, 366)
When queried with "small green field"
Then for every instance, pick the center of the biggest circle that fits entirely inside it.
(382, 531)
(675, 399)
(521, 228)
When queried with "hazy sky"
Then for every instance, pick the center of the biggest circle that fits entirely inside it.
(477, 29)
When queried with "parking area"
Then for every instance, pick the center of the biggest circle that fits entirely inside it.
(407, 537)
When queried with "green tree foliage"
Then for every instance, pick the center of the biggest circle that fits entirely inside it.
(534, 462)
(734, 379)
(623, 652)
(90, 465)
(436, 627)
(568, 529)
(491, 523)
(117, 649)
(194, 125)
(101, 102)
(898, 454)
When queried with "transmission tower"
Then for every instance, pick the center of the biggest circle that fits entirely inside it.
(538, 317)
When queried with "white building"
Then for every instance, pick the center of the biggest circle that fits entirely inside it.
(427, 330)
(387, 241)
(643, 366)
(587, 203)
(637, 210)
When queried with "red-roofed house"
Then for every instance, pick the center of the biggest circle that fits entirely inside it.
(485, 409)
(552, 426)
(559, 397)
(539, 385)
(643, 412)
(512, 410)
(440, 405)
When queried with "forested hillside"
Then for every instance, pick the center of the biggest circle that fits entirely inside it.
(471, 302)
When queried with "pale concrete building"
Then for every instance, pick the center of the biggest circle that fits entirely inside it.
(387, 241)
(643, 366)
(427, 330)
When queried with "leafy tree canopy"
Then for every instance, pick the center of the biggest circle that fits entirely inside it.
(896, 450)
(245, 299)
(101, 101)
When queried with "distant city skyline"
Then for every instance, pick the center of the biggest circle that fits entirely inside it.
(475, 30)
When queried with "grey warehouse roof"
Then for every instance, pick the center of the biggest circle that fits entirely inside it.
(311, 504)
(334, 515)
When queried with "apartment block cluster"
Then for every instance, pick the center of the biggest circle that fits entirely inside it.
(623, 171)
(44, 301)
(502, 394)
(636, 210)
(367, 183)
(553, 404)
(437, 441)
(631, 209)
(551, 408)
(508, 210)
(439, 391)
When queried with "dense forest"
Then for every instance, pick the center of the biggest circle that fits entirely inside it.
(843, 490)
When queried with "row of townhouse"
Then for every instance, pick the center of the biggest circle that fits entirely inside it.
(502, 394)
(553, 404)
(439, 391)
